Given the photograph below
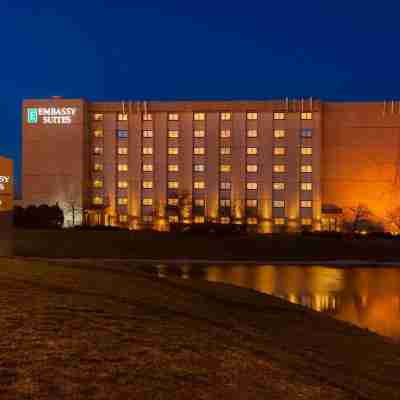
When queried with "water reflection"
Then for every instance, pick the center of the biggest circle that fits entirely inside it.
(368, 297)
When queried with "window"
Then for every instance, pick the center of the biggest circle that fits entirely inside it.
(226, 116)
(123, 218)
(225, 168)
(279, 168)
(173, 219)
(199, 219)
(147, 201)
(252, 133)
(306, 203)
(279, 151)
(225, 220)
(147, 167)
(306, 186)
(225, 203)
(306, 168)
(279, 115)
(279, 133)
(251, 203)
(173, 134)
(306, 133)
(278, 203)
(122, 117)
(306, 115)
(251, 186)
(147, 150)
(173, 185)
(199, 116)
(173, 151)
(122, 201)
(199, 185)
(173, 117)
(278, 186)
(225, 133)
(251, 221)
(98, 150)
(122, 167)
(252, 167)
(199, 150)
(98, 167)
(98, 116)
(279, 221)
(306, 151)
(147, 117)
(97, 200)
(225, 150)
(97, 183)
(199, 202)
(122, 134)
(147, 133)
(122, 151)
(122, 184)
(147, 184)
(252, 150)
(251, 115)
(172, 202)
(306, 221)
(147, 219)
(199, 167)
(98, 132)
(173, 167)
(225, 185)
(199, 133)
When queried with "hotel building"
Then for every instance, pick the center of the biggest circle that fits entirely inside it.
(285, 164)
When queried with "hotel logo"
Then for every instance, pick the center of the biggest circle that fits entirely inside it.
(51, 115)
(33, 115)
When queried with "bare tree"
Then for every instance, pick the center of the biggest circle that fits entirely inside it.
(393, 217)
(359, 214)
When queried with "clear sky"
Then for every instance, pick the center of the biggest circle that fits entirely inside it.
(194, 50)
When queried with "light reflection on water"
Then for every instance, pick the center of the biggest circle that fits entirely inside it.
(367, 297)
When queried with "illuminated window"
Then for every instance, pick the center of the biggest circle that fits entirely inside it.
(251, 167)
(251, 186)
(306, 221)
(199, 116)
(98, 132)
(306, 186)
(199, 133)
(279, 133)
(147, 167)
(147, 219)
(279, 221)
(122, 151)
(306, 133)
(173, 185)
(122, 201)
(122, 184)
(123, 218)
(225, 168)
(173, 134)
(122, 167)
(122, 117)
(147, 150)
(147, 117)
(306, 168)
(199, 168)
(147, 133)
(98, 167)
(199, 202)
(306, 151)
(278, 203)
(225, 186)
(251, 221)
(279, 168)
(251, 133)
(225, 220)
(173, 202)
(173, 117)
(251, 115)
(98, 117)
(225, 133)
(225, 203)
(278, 186)
(199, 219)
(279, 151)
(98, 150)
(279, 115)
(173, 219)
(199, 150)
(97, 200)
(98, 183)
(147, 201)
(306, 203)
(251, 203)
(226, 116)
(147, 184)
(173, 167)
(225, 150)
(173, 151)
(199, 185)
(122, 134)
(306, 115)
(252, 150)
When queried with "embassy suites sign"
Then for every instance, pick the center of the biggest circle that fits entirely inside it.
(51, 115)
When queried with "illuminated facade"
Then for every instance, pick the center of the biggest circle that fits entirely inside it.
(6, 192)
(270, 164)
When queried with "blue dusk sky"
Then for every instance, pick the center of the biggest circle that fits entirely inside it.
(114, 50)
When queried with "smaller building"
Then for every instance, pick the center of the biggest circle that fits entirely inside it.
(6, 205)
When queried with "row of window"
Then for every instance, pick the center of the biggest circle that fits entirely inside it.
(201, 116)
